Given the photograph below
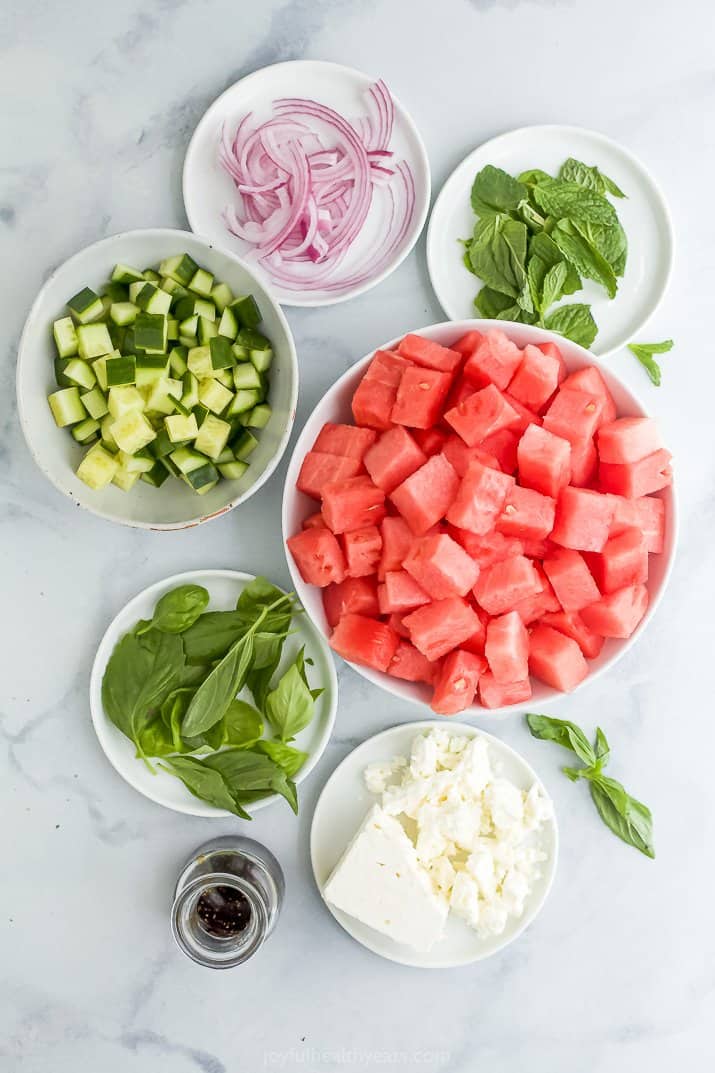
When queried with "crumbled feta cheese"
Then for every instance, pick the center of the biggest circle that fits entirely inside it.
(378, 776)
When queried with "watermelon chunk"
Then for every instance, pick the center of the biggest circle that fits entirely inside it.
(591, 381)
(456, 684)
(354, 595)
(622, 562)
(352, 504)
(636, 479)
(571, 624)
(540, 603)
(507, 648)
(372, 404)
(437, 628)
(318, 556)
(387, 368)
(553, 351)
(364, 640)
(618, 613)
(400, 592)
(348, 441)
(362, 548)
(526, 416)
(479, 498)
(584, 463)
(409, 664)
(486, 548)
(314, 521)
(460, 455)
(526, 514)
(536, 379)
(503, 446)
(583, 519)
(429, 440)
(424, 497)
(441, 566)
(646, 514)
(319, 469)
(494, 360)
(628, 439)
(573, 415)
(476, 642)
(544, 461)
(482, 414)
(393, 458)
(571, 579)
(556, 659)
(500, 586)
(420, 397)
(429, 354)
(397, 538)
(395, 621)
(493, 694)
(467, 344)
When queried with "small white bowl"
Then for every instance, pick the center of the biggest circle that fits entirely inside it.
(335, 406)
(344, 802)
(208, 189)
(224, 587)
(174, 505)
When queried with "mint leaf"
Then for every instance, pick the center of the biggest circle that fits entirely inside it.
(553, 284)
(645, 351)
(610, 242)
(495, 306)
(498, 254)
(575, 171)
(533, 176)
(574, 202)
(588, 261)
(495, 191)
(574, 321)
(544, 247)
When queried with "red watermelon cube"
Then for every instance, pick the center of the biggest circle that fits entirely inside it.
(318, 556)
(540, 603)
(387, 368)
(319, 469)
(482, 414)
(526, 514)
(460, 455)
(526, 416)
(494, 360)
(618, 613)
(571, 579)
(571, 624)
(352, 504)
(409, 664)
(395, 621)
(502, 446)
(636, 479)
(429, 354)
(314, 521)
(486, 548)
(628, 439)
(429, 440)
(493, 694)
(364, 640)
(399, 592)
(556, 659)
(591, 381)
(348, 441)
(362, 548)
(480, 498)
(584, 463)
(553, 351)
(536, 379)
(393, 458)
(467, 344)
(622, 562)
(646, 514)
(456, 684)
(476, 642)
(544, 461)
(397, 538)
(583, 519)
(502, 585)
(439, 627)
(423, 499)
(441, 566)
(354, 595)
(507, 648)
(372, 404)
(574, 415)
(420, 397)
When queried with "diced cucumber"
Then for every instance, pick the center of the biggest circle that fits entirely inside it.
(86, 430)
(106, 430)
(201, 282)
(181, 268)
(150, 368)
(122, 400)
(181, 428)
(95, 403)
(67, 407)
(80, 372)
(162, 445)
(258, 417)
(244, 444)
(214, 396)
(242, 401)
(232, 470)
(179, 408)
(246, 375)
(221, 354)
(93, 341)
(65, 336)
(258, 348)
(156, 475)
(247, 311)
(125, 479)
(132, 431)
(121, 370)
(135, 288)
(177, 360)
(189, 326)
(226, 455)
(97, 468)
(178, 294)
(100, 371)
(212, 436)
(151, 276)
(201, 413)
(240, 353)
(123, 313)
(172, 329)
(60, 364)
(85, 306)
(228, 325)
(221, 296)
(207, 330)
(163, 395)
(225, 377)
(196, 467)
(199, 362)
(118, 335)
(190, 396)
(125, 274)
(152, 299)
(116, 292)
(151, 332)
(141, 462)
(203, 488)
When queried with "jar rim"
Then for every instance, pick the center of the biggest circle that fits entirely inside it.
(186, 899)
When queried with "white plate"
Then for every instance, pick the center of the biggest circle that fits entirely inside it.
(643, 213)
(341, 808)
(208, 189)
(224, 587)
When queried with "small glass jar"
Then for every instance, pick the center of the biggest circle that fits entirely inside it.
(227, 900)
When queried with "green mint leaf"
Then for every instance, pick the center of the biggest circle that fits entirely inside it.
(611, 187)
(544, 247)
(491, 303)
(498, 254)
(610, 242)
(588, 261)
(553, 284)
(494, 191)
(178, 609)
(574, 202)
(533, 176)
(575, 322)
(645, 351)
(533, 220)
(628, 818)
(563, 733)
(205, 783)
(575, 171)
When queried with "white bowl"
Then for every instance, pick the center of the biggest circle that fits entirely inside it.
(344, 802)
(174, 505)
(224, 587)
(335, 406)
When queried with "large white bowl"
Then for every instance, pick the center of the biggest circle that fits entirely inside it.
(174, 505)
(335, 406)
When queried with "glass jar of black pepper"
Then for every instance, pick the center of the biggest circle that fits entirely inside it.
(227, 900)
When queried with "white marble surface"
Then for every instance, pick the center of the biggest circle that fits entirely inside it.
(617, 974)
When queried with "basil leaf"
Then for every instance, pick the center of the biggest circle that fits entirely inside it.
(172, 714)
(243, 725)
(628, 818)
(155, 740)
(588, 261)
(290, 706)
(287, 757)
(204, 782)
(563, 733)
(259, 678)
(248, 774)
(574, 171)
(574, 321)
(573, 202)
(495, 191)
(211, 700)
(178, 609)
(212, 635)
(498, 254)
(544, 247)
(603, 749)
(645, 351)
(300, 662)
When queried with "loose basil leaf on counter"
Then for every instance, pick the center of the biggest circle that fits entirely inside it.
(290, 706)
(563, 733)
(628, 818)
(204, 782)
(286, 756)
(645, 351)
(178, 609)
(603, 749)
(574, 321)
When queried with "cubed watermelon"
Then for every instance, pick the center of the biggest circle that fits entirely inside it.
(493, 694)
(544, 461)
(479, 498)
(423, 499)
(502, 446)
(352, 504)
(628, 439)
(556, 659)
(482, 414)
(636, 479)
(364, 640)
(429, 440)
(460, 455)
(441, 566)
(536, 549)
(395, 621)
(494, 360)
(533, 607)
(399, 592)
(467, 344)
(314, 521)
(553, 351)
(387, 368)
(536, 379)
(348, 441)
(583, 519)
(486, 548)
(500, 586)
(372, 404)
(460, 390)
(393, 458)
(362, 548)
(420, 397)
(439, 627)
(591, 381)
(397, 538)
(429, 354)
(618, 613)
(526, 416)
(584, 463)
(571, 579)
(456, 684)
(571, 623)
(318, 556)
(574, 415)
(507, 648)
(476, 642)
(354, 595)
(646, 514)
(526, 514)
(409, 664)
(622, 562)
(319, 469)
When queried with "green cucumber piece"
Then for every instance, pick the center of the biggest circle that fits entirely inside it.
(150, 368)
(120, 370)
(151, 332)
(177, 360)
(85, 306)
(232, 471)
(86, 430)
(221, 353)
(243, 401)
(156, 475)
(213, 436)
(93, 340)
(190, 396)
(67, 407)
(116, 292)
(95, 403)
(123, 313)
(247, 311)
(228, 325)
(97, 468)
(221, 296)
(123, 399)
(81, 373)
(65, 337)
(181, 428)
(246, 375)
(244, 444)
(201, 283)
(258, 417)
(181, 268)
(214, 396)
(126, 274)
(207, 330)
(152, 299)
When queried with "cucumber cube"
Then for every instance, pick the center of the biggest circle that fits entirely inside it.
(156, 475)
(200, 413)
(228, 325)
(121, 370)
(258, 417)
(100, 371)
(93, 341)
(132, 432)
(116, 292)
(244, 444)
(172, 329)
(246, 375)
(199, 362)
(85, 305)
(123, 313)
(60, 364)
(122, 400)
(162, 445)
(190, 396)
(65, 337)
(226, 455)
(80, 372)
(201, 282)
(207, 330)
(163, 395)
(141, 462)
(97, 468)
(135, 288)
(247, 311)
(86, 430)
(189, 326)
(243, 400)
(151, 331)
(221, 353)
(261, 359)
(182, 269)
(225, 377)
(125, 274)
(151, 276)
(232, 470)
(212, 436)
(66, 406)
(95, 403)
(106, 431)
(221, 296)
(181, 428)
(152, 299)
(214, 396)
(150, 368)
(125, 479)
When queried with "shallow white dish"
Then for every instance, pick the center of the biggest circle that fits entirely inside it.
(335, 406)
(224, 587)
(643, 213)
(341, 808)
(208, 189)
(174, 505)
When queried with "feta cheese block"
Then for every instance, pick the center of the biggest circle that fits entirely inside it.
(380, 881)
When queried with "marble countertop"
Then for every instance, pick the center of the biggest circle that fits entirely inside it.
(616, 974)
